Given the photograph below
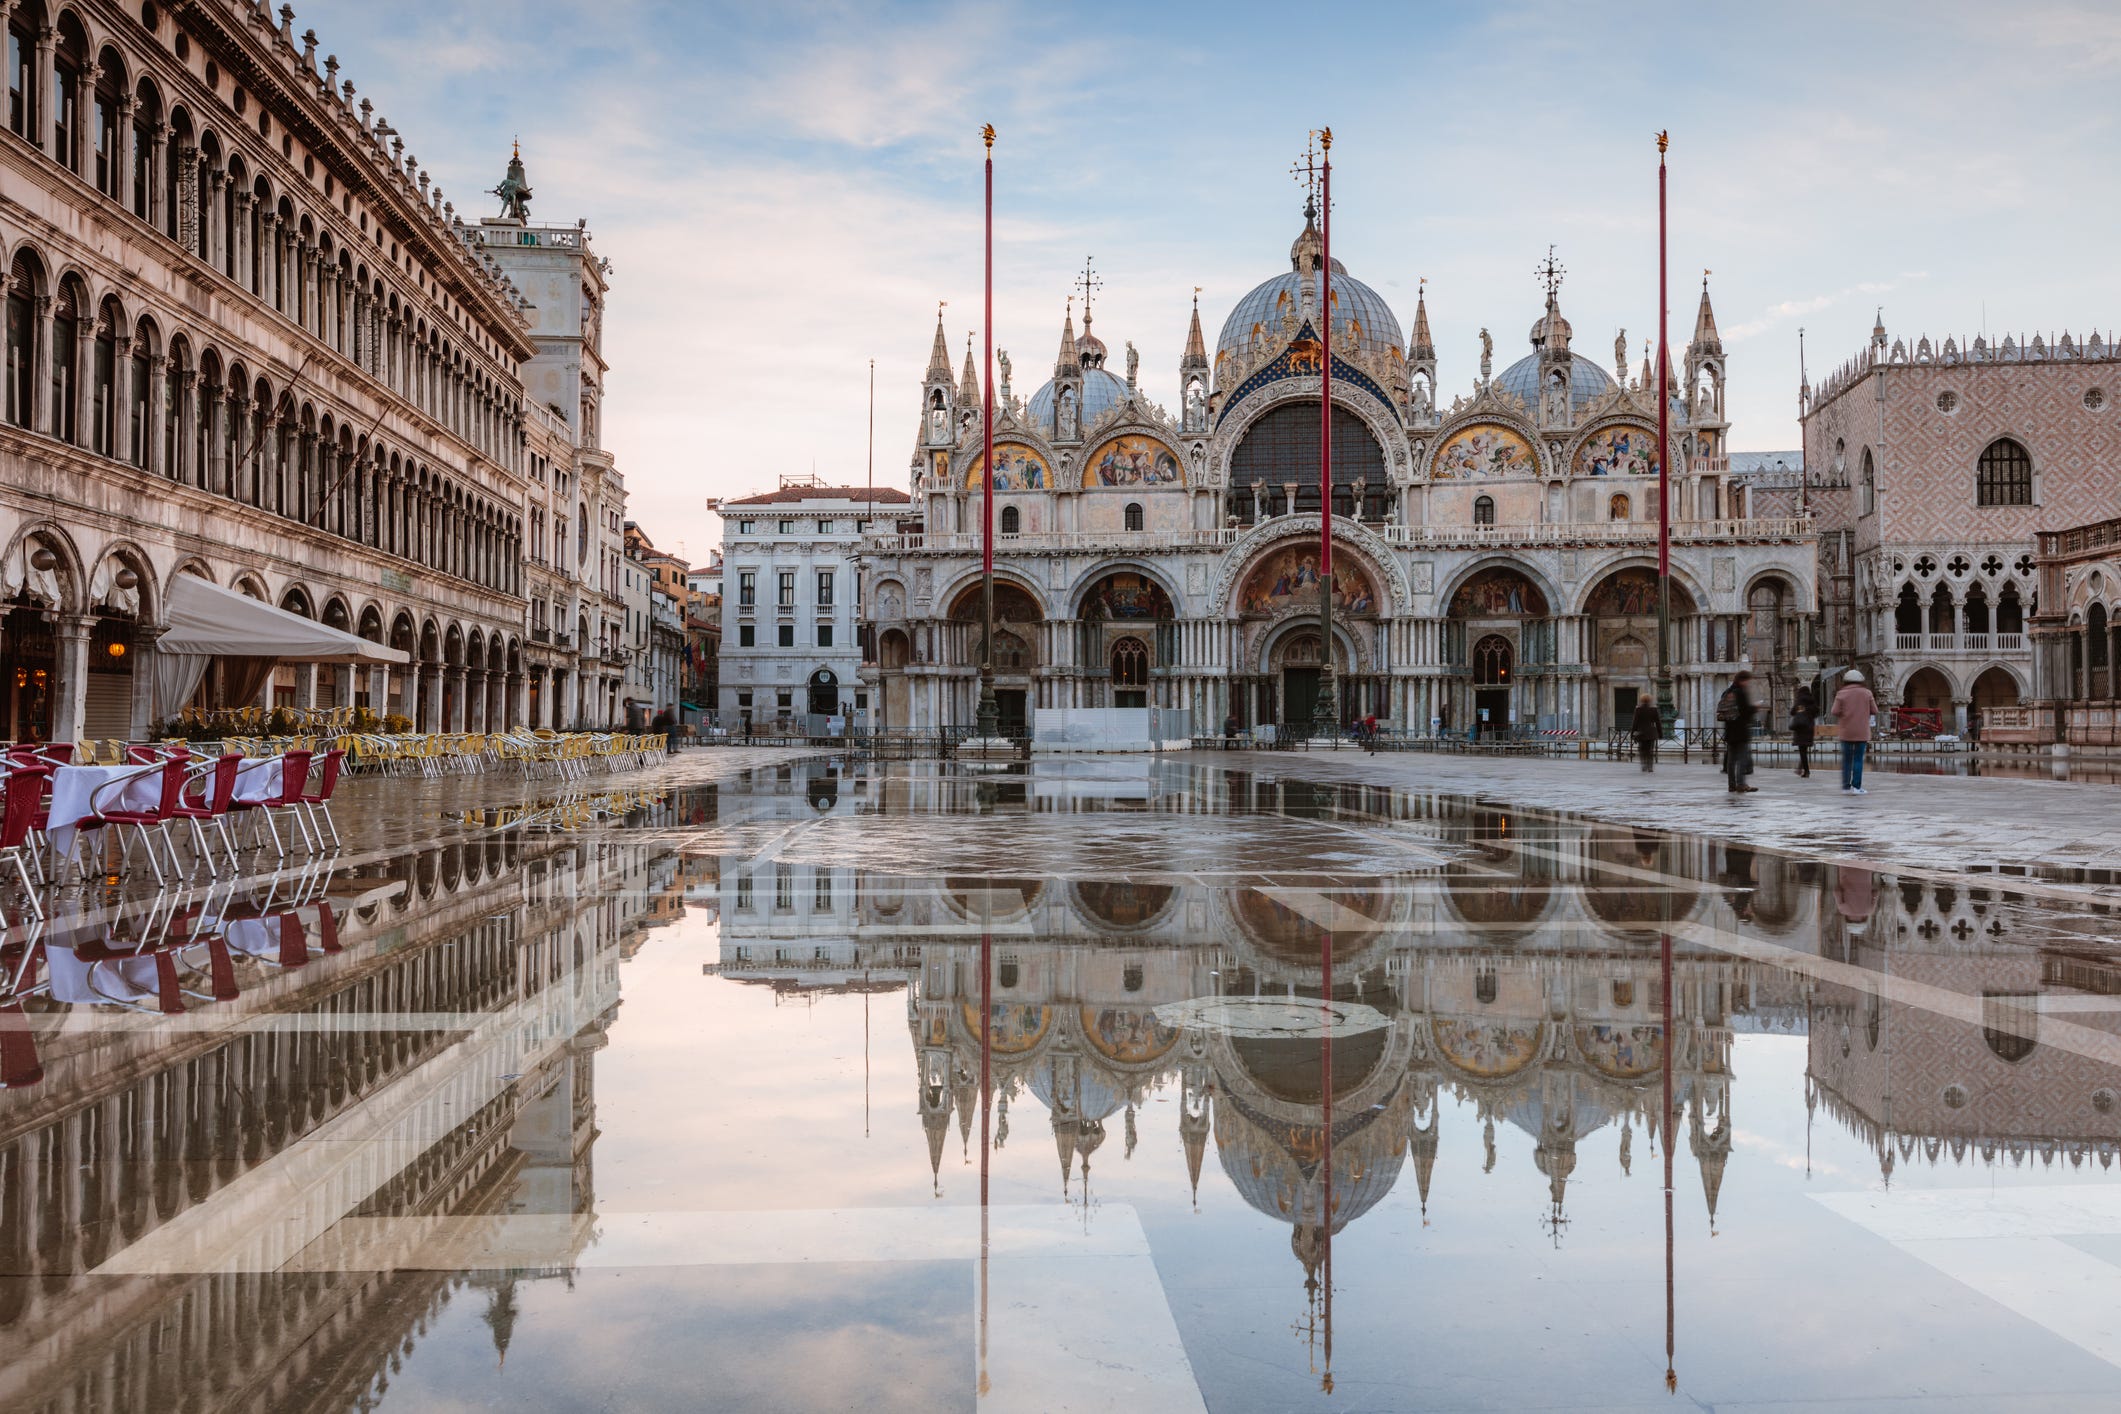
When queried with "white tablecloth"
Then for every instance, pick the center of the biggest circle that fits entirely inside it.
(259, 779)
(74, 786)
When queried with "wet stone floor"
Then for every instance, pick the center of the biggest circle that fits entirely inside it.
(764, 1081)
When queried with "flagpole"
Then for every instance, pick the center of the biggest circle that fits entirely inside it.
(1667, 712)
(1325, 714)
(989, 712)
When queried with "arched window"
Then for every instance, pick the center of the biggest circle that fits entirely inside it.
(66, 353)
(1867, 490)
(69, 69)
(106, 134)
(1492, 660)
(1012, 520)
(22, 73)
(1484, 510)
(103, 385)
(1617, 508)
(2095, 636)
(136, 415)
(2004, 476)
(1134, 515)
(23, 287)
(147, 116)
(1130, 663)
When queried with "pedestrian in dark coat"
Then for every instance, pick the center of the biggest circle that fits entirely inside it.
(1646, 729)
(1735, 711)
(1804, 719)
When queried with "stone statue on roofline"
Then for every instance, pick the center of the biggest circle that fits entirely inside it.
(514, 189)
(1487, 356)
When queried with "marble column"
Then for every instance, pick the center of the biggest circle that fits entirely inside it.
(70, 639)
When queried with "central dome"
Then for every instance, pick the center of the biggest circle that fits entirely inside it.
(1356, 307)
(1587, 381)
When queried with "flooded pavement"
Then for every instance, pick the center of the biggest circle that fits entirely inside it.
(1159, 1084)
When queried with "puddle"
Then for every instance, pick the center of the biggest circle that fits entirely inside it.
(1142, 1084)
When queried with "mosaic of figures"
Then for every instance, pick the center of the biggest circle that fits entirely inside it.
(1287, 581)
(1127, 1036)
(1498, 594)
(1016, 468)
(1629, 594)
(1621, 1051)
(1132, 461)
(1126, 595)
(1016, 1027)
(1618, 451)
(1489, 1049)
(1482, 450)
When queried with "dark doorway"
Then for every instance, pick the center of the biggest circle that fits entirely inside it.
(1010, 701)
(1491, 705)
(1299, 694)
(31, 676)
(1624, 699)
(824, 694)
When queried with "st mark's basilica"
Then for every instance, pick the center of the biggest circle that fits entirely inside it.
(1495, 554)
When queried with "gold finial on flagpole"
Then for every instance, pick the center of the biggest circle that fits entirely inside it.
(986, 133)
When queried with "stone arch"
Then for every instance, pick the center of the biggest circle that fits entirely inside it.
(1448, 591)
(1378, 420)
(954, 594)
(1238, 562)
(1997, 685)
(1687, 596)
(63, 583)
(1269, 655)
(146, 592)
(1078, 593)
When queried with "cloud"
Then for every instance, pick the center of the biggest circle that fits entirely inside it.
(1784, 311)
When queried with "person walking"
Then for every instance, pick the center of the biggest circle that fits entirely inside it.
(1854, 707)
(1804, 719)
(1646, 729)
(1736, 712)
(1369, 733)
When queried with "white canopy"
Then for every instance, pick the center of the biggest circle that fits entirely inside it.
(210, 621)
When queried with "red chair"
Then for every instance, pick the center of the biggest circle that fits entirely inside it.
(320, 799)
(107, 959)
(156, 819)
(294, 774)
(18, 818)
(217, 792)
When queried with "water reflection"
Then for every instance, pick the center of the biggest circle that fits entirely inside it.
(225, 1079)
(258, 1146)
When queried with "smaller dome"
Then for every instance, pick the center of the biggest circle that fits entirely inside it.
(1587, 381)
(1102, 392)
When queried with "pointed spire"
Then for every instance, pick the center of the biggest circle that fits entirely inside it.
(1196, 346)
(1706, 339)
(1195, 1138)
(1878, 329)
(939, 356)
(1422, 348)
(1070, 363)
(1064, 1132)
(1422, 1146)
(968, 386)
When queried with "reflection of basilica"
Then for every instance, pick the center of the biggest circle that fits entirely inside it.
(147, 1159)
(1518, 984)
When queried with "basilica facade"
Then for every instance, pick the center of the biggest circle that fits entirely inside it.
(1495, 554)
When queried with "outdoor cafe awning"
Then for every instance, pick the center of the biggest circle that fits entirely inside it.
(209, 621)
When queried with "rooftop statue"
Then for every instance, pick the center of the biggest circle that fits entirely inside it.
(514, 189)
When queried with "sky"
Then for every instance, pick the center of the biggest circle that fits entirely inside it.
(786, 191)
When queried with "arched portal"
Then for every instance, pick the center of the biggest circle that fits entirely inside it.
(824, 693)
(1622, 609)
(1126, 627)
(1017, 617)
(1499, 630)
